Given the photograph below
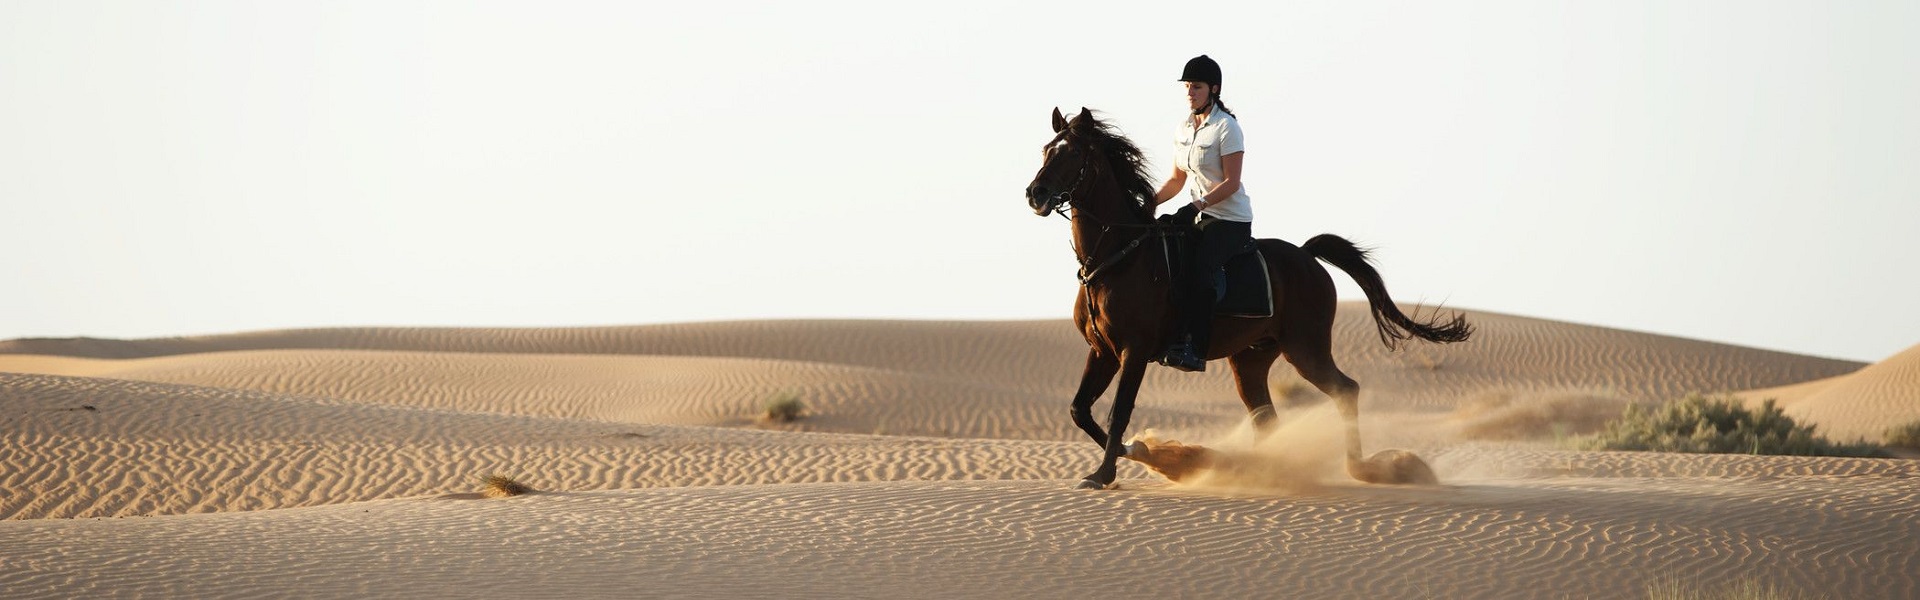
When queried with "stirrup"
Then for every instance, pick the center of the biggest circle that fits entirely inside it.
(1181, 356)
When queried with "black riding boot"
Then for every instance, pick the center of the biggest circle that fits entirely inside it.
(1200, 318)
(1195, 318)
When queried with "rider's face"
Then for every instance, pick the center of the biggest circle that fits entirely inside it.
(1197, 94)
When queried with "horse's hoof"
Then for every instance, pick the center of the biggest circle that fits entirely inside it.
(1089, 484)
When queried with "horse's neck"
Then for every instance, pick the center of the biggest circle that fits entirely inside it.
(1087, 235)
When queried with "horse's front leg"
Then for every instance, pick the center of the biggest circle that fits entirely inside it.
(1101, 365)
(1133, 366)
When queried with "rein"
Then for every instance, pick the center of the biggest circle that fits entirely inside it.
(1089, 272)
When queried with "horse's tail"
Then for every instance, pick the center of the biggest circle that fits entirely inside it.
(1394, 325)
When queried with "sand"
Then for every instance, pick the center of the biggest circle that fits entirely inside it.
(1855, 405)
(938, 461)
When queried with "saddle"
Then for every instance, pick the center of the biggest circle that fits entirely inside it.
(1242, 288)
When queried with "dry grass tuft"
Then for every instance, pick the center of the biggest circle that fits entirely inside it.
(784, 407)
(502, 486)
(1508, 415)
(1906, 437)
(1673, 587)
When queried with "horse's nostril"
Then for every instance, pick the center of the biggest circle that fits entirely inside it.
(1036, 191)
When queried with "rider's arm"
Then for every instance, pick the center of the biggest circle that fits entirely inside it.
(1171, 188)
(1230, 169)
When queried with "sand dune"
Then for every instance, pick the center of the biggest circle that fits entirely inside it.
(1002, 380)
(1508, 353)
(635, 389)
(658, 482)
(1856, 405)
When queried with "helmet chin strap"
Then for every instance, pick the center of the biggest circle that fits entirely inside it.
(1203, 110)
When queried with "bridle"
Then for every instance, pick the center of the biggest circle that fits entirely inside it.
(1060, 202)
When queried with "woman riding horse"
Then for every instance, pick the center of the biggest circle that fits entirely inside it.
(1124, 310)
(1209, 149)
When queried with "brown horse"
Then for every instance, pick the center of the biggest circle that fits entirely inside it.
(1126, 313)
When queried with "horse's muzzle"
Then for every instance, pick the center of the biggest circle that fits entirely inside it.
(1041, 202)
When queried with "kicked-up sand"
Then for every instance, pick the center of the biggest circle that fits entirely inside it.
(937, 460)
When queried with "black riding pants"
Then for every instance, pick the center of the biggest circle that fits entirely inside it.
(1219, 240)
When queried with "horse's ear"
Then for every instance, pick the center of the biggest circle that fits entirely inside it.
(1082, 119)
(1059, 122)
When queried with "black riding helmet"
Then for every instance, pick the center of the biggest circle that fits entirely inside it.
(1201, 69)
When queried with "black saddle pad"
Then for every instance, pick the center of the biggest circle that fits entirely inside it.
(1248, 292)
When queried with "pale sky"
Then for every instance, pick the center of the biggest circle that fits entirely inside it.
(1735, 171)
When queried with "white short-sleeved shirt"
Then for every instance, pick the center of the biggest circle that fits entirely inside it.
(1199, 150)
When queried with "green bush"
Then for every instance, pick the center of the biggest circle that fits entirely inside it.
(1904, 436)
(1717, 425)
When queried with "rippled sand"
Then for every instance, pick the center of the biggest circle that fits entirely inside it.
(938, 462)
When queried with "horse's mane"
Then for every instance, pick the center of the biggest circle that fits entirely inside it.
(1131, 174)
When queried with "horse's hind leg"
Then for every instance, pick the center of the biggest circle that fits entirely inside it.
(1250, 369)
(1315, 363)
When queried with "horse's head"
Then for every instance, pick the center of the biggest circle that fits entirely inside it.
(1063, 166)
(1093, 168)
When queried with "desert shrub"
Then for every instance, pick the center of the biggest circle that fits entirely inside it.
(1722, 425)
(501, 486)
(1676, 588)
(1904, 436)
(784, 407)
